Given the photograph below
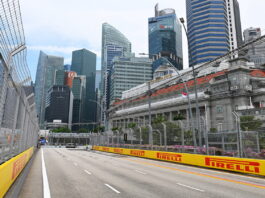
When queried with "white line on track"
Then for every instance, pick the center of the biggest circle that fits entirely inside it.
(112, 188)
(140, 172)
(88, 172)
(46, 188)
(75, 164)
(190, 187)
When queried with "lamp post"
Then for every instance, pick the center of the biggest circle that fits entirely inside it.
(195, 86)
(188, 97)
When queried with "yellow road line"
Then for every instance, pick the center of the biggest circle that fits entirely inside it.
(195, 173)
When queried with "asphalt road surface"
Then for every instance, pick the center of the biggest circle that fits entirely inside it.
(73, 173)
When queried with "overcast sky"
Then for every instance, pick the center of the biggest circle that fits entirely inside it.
(60, 26)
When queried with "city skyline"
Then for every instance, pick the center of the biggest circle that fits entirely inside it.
(80, 34)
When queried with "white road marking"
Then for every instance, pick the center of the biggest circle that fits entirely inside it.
(75, 164)
(87, 172)
(190, 187)
(46, 188)
(112, 188)
(140, 172)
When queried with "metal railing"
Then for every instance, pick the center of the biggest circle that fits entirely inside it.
(177, 136)
(18, 118)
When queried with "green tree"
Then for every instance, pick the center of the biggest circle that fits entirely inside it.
(131, 125)
(249, 123)
(61, 130)
(82, 130)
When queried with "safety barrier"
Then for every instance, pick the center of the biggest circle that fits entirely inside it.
(248, 166)
(10, 170)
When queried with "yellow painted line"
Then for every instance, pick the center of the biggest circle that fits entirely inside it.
(195, 173)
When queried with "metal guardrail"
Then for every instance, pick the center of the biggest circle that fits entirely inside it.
(18, 118)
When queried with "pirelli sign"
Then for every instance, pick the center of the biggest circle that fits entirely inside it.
(233, 165)
(243, 165)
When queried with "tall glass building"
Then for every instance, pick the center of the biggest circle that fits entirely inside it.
(84, 63)
(45, 79)
(114, 43)
(165, 38)
(214, 28)
(128, 72)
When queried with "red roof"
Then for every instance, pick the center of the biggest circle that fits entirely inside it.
(200, 81)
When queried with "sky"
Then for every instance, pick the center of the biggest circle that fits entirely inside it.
(58, 27)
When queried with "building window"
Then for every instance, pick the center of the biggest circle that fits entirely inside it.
(219, 109)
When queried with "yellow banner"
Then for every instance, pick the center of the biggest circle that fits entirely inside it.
(243, 165)
(11, 169)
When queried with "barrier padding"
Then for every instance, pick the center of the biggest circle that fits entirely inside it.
(243, 165)
(10, 170)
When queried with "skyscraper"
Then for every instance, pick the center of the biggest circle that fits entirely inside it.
(214, 28)
(45, 79)
(255, 53)
(165, 38)
(128, 72)
(59, 106)
(114, 43)
(79, 92)
(84, 63)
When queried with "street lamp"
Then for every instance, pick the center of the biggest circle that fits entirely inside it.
(188, 97)
(195, 85)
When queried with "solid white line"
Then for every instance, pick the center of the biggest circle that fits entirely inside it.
(112, 188)
(190, 187)
(140, 172)
(46, 188)
(87, 172)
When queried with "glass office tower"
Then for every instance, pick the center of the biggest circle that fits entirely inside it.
(214, 28)
(45, 79)
(165, 38)
(84, 63)
(114, 43)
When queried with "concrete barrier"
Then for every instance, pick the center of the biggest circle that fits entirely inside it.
(11, 169)
(242, 165)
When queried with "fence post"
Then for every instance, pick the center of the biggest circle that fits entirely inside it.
(239, 135)
(165, 135)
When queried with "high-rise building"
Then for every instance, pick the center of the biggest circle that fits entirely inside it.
(114, 43)
(128, 72)
(67, 67)
(59, 77)
(214, 28)
(45, 79)
(165, 38)
(255, 53)
(69, 77)
(84, 63)
(59, 105)
(98, 79)
(79, 93)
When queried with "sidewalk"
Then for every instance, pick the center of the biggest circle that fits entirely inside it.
(32, 188)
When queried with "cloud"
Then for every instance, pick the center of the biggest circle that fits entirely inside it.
(62, 26)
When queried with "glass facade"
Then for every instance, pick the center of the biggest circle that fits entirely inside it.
(128, 72)
(84, 63)
(165, 38)
(114, 43)
(208, 31)
(45, 79)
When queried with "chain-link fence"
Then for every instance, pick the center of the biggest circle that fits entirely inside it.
(182, 136)
(18, 118)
